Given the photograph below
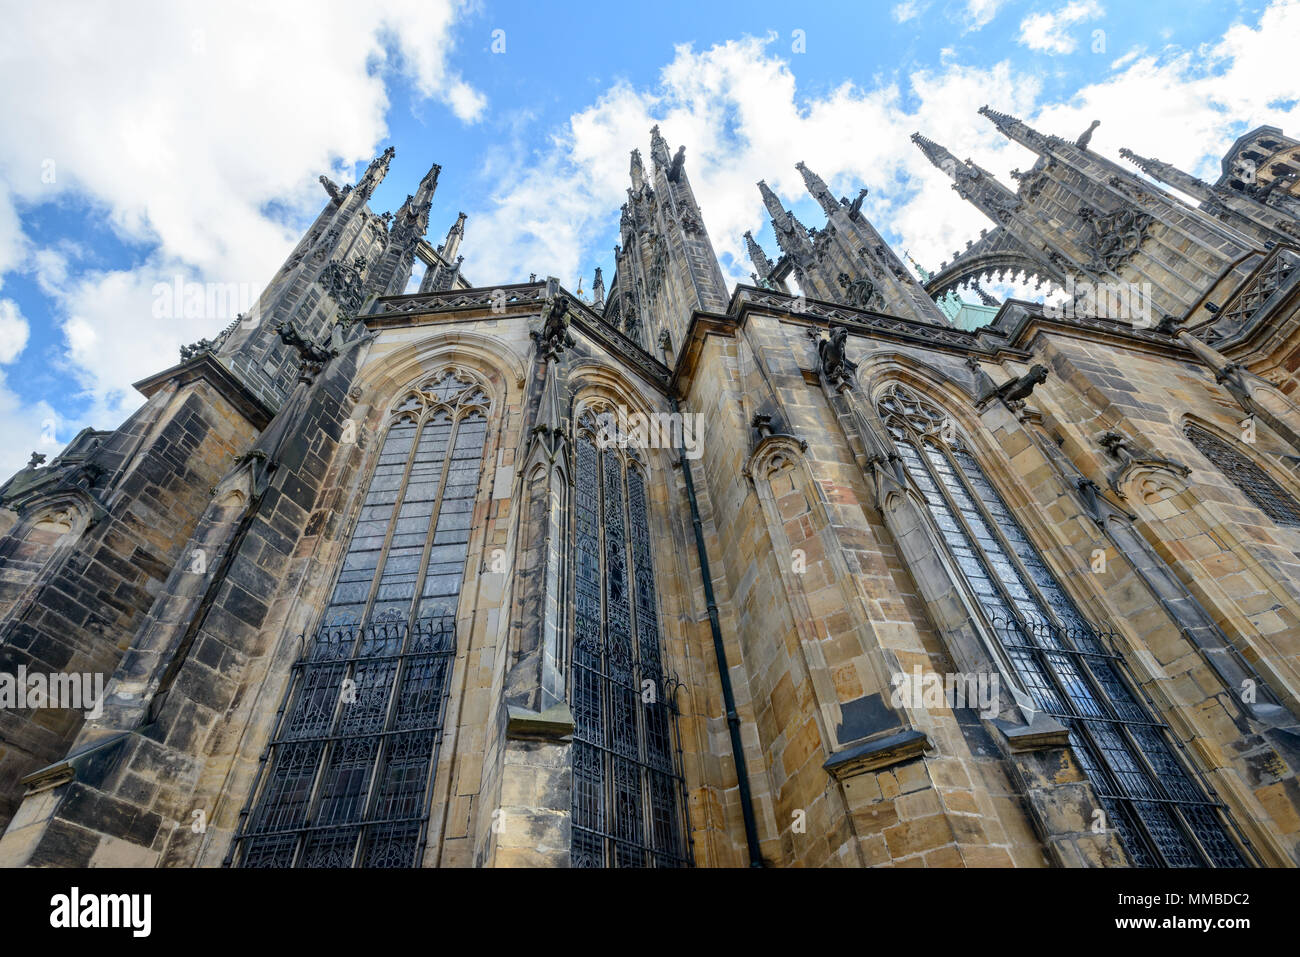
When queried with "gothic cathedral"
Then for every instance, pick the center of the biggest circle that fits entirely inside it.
(833, 569)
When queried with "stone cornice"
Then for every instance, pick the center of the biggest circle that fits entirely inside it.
(517, 299)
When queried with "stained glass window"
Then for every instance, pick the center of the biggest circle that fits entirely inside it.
(629, 805)
(1256, 484)
(1156, 802)
(346, 778)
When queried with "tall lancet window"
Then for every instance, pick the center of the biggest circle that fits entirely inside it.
(346, 778)
(1156, 802)
(629, 802)
(1256, 484)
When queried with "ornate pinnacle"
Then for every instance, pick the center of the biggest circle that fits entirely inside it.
(757, 256)
(817, 187)
(938, 155)
(658, 148)
(1014, 129)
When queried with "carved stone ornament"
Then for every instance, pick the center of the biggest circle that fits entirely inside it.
(835, 364)
(1113, 238)
(345, 283)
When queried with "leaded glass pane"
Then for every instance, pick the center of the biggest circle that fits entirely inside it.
(1256, 484)
(628, 795)
(347, 773)
(1162, 815)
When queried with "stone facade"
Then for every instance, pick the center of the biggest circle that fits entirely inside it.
(782, 559)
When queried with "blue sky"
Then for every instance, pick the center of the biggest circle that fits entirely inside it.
(156, 140)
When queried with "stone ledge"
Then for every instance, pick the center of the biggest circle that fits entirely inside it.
(894, 749)
(61, 772)
(1041, 733)
(228, 385)
(553, 724)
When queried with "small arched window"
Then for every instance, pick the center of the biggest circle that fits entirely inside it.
(1156, 803)
(346, 777)
(629, 801)
(1254, 483)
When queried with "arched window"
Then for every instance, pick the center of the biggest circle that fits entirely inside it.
(1156, 802)
(1269, 497)
(629, 807)
(346, 777)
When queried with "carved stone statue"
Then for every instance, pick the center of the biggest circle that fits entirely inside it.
(675, 168)
(555, 336)
(336, 194)
(860, 291)
(855, 207)
(835, 364)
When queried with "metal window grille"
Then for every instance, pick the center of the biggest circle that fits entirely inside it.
(1269, 497)
(629, 798)
(1159, 805)
(346, 778)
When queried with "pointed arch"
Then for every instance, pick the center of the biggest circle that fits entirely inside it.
(629, 801)
(1244, 471)
(386, 370)
(348, 773)
(1158, 805)
(39, 541)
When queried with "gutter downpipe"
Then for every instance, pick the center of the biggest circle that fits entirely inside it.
(720, 652)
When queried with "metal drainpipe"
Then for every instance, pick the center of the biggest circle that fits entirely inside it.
(720, 652)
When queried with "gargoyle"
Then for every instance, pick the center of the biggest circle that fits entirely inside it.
(1015, 391)
(312, 356)
(860, 291)
(835, 364)
(555, 335)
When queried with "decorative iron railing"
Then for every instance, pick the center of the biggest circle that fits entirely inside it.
(1163, 809)
(345, 780)
(629, 795)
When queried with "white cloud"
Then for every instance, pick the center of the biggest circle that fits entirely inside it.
(1127, 58)
(13, 331)
(179, 125)
(1203, 99)
(1049, 32)
(980, 13)
(908, 10)
(735, 108)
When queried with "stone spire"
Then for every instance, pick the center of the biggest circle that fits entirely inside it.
(938, 155)
(971, 182)
(659, 148)
(375, 173)
(598, 291)
(791, 235)
(774, 208)
(454, 236)
(1014, 129)
(667, 267)
(410, 223)
(1240, 209)
(757, 256)
(817, 187)
(1170, 175)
